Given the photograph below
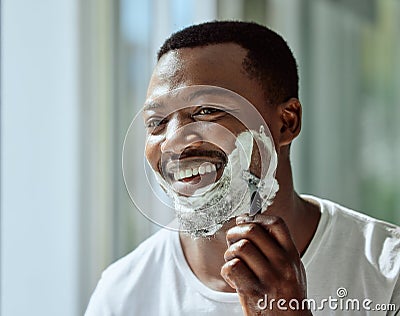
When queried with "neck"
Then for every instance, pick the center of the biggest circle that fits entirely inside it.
(205, 256)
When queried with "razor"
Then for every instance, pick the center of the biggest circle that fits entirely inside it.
(256, 201)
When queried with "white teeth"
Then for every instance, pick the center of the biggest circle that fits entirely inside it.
(203, 169)
(188, 173)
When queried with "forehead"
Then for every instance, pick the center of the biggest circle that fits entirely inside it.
(215, 65)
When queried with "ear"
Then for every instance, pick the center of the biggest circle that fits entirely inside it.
(290, 113)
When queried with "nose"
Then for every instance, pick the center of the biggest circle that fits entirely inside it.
(182, 132)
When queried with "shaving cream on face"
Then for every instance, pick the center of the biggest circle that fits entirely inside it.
(204, 213)
(267, 185)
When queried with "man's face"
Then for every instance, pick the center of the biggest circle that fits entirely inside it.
(182, 141)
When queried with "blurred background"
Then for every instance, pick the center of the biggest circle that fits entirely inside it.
(73, 75)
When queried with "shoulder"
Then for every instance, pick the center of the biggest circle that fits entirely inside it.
(369, 226)
(352, 232)
(350, 219)
(148, 254)
(354, 251)
(129, 280)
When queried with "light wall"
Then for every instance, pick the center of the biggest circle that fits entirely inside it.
(39, 158)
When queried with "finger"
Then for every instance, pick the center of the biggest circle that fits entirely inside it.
(236, 273)
(260, 238)
(275, 226)
(252, 257)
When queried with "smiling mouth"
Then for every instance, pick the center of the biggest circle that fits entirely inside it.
(190, 173)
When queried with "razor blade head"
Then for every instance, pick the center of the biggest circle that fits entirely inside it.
(256, 203)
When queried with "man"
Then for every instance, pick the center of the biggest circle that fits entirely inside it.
(300, 256)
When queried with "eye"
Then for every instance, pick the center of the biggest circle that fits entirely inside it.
(155, 123)
(207, 111)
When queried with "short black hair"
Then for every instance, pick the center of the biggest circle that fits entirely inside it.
(269, 58)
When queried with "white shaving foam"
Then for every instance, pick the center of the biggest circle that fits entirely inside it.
(204, 213)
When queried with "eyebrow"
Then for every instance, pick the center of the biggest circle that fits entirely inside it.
(206, 91)
(209, 91)
(151, 105)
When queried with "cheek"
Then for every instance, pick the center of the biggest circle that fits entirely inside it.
(275, 130)
(274, 125)
(153, 151)
(225, 137)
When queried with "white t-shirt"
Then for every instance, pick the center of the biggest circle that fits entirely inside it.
(350, 253)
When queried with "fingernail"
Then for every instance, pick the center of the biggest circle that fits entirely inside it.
(243, 219)
(240, 220)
